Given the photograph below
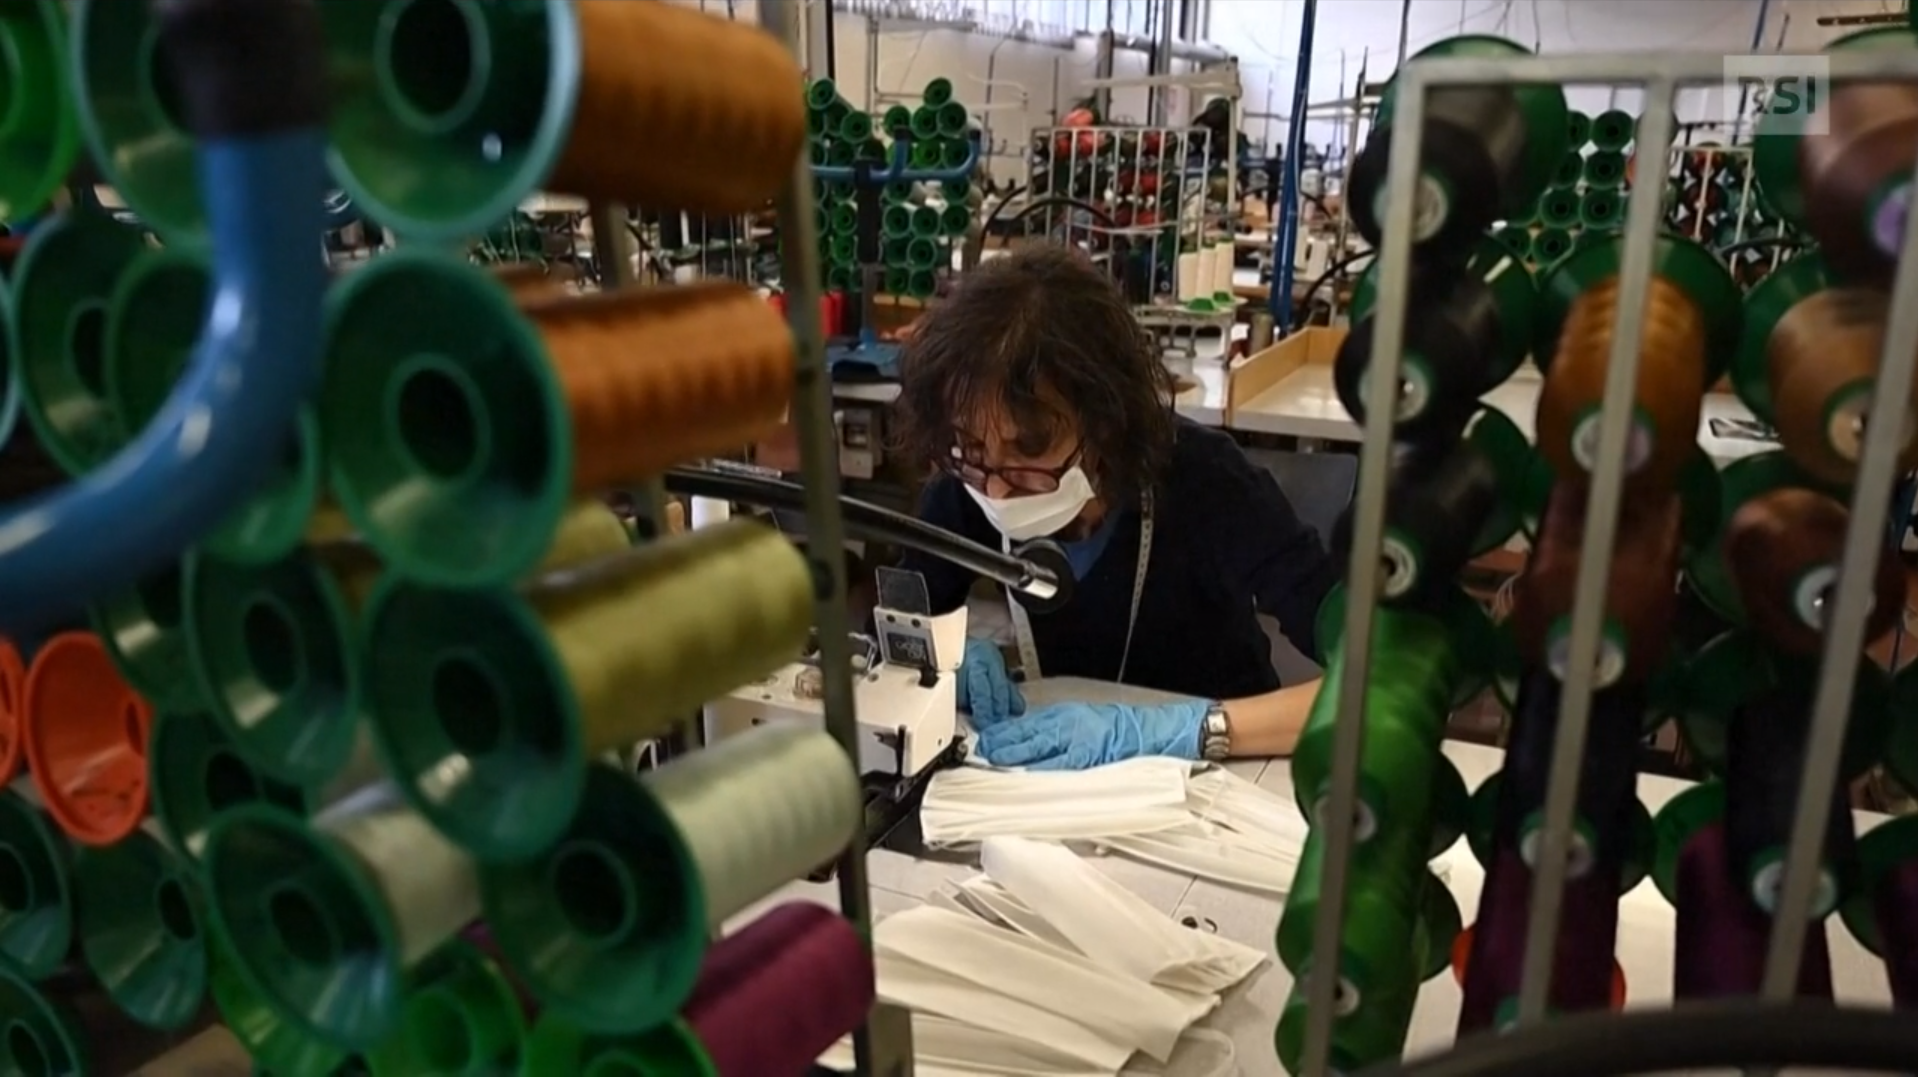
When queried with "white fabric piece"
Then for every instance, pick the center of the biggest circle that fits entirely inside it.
(1212, 852)
(1104, 921)
(1202, 1052)
(1043, 978)
(928, 990)
(943, 1045)
(1138, 796)
(1223, 798)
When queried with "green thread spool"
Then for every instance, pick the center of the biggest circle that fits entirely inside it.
(897, 253)
(956, 190)
(822, 94)
(896, 222)
(925, 222)
(1373, 1033)
(78, 1032)
(327, 921)
(872, 150)
(36, 919)
(1559, 207)
(952, 120)
(922, 254)
(855, 127)
(845, 219)
(609, 926)
(955, 220)
(139, 913)
(1571, 168)
(954, 152)
(1601, 207)
(1605, 168)
(145, 635)
(194, 772)
(1613, 129)
(1383, 903)
(898, 280)
(524, 686)
(40, 130)
(896, 194)
(1550, 245)
(461, 1017)
(559, 1046)
(896, 118)
(277, 1044)
(841, 154)
(1578, 130)
(842, 278)
(937, 94)
(844, 249)
(925, 153)
(922, 284)
(925, 122)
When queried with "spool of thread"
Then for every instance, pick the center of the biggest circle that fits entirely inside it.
(922, 254)
(523, 686)
(461, 1016)
(1222, 269)
(1607, 806)
(1885, 918)
(921, 284)
(145, 635)
(1188, 268)
(531, 280)
(327, 920)
(560, 1046)
(896, 117)
(488, 427)
(1559, 207)
(937, 94)
(1822, 360)
(1372, 1034)
(925, 222)
(1721, 938)
(1782, 550)
(195, 772)
(138, 907)
(1667, 400)
(275, 1042)
(1601, 208)
(1409, 694)
(1579, 130)
(954, 220)
(1207, 270)
(1584, 970)
(86, 734)
(1570, 170)
(36, 918)
(609, 925)
(1438, 503)
(1550, 245)
(13, 687)
(896, 222)
(80, 1033)
(775, 996)
(1613, 129)
(1445, 363)
(1764, 760)
(1856, 177)
(1605, 169)
(1382, 908)
(1639, 598)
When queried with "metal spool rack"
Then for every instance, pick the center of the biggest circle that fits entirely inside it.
(1812, 742)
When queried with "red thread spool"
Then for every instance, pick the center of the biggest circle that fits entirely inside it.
(1782, 550)
(1585, 975)
(1722, 935)
(86, 740)
(771, 998)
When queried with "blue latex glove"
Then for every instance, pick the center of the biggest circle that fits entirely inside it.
(986, 690)
(1074, 736)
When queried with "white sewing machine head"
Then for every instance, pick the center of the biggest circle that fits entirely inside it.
(905, 684)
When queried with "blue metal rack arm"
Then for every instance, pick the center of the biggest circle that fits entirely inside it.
(897, 172)
(1279, 299)
(250, 75)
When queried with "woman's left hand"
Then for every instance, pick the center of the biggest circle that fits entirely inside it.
(1075, 736)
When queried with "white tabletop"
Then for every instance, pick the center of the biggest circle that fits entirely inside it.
(1249, 1014)
(1304, 404)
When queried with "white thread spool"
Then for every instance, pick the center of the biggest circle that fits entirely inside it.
(1222, 269)
(1189, 266)
(707, 511)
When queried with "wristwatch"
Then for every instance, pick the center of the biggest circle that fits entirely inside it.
(1215, 735)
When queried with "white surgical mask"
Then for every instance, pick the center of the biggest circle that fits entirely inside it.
(1037, 515)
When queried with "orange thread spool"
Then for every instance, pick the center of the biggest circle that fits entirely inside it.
(1640, 595)
(86, 740)
(1823, 366)
(657, 376)
(528, 281)
(1782, 549)
(678, 108)
(13, 687)
(1666, 401)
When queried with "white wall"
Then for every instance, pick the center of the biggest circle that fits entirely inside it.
(1364, 34)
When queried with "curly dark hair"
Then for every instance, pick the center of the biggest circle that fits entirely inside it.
(1044, 334)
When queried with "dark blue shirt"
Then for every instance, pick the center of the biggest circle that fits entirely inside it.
(1226, 546)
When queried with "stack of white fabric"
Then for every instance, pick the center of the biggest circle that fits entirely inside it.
(1044, 967)
(1205, 821)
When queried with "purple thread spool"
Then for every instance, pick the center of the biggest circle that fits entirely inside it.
(1583, 972)
(774, 996)
(1722, 937)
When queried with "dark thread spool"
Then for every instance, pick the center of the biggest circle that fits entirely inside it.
(1435, 508)
(1639, 598)
(1608, 776)
(1895, 907)
(1475, 138)
(1666, 401)
(1451, 335)
(1822, 362)
(774, 996)
(1782, 550)
(1722, 936)
(1764, 760)
(1583, 974)
(1857, 177)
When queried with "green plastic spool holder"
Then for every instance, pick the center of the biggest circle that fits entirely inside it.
(925, 123)
(953, 152)
(144, 632)
(1681, 817)
(896, 222)
(855, 126)
(1482, 812)
(43, 1038)
(36, 887)
(1737, 667)
(280, 653)
(953, 121)
(1549, 247)
(1776, 135)
(1600, 208)
(822, 94)
(1570, 170)
(62, 288)
(1515, 238)
(1513, 293)
(1901, 738)
(896, 117)
(1546, 118)
(843, 249)
(1740, 481)
(1578, 130)
(844, 220)
(937, 94)
(1889, 845)
(449, 440)
(925, 222)
(843, 279)
(1606, 168)
(1439, 924)
(922, 254)
(1613, 130)
(557, 1045)
(1765, 306)
(1371, 1034)
(472, 675)
(1692, 268)
(152, 327)
(279, 1047)
(841, 154)
(38, 124)
(608, 927)
(140, 919)
(1558, 207)
(921, 284)
(926, 154)
(461, 1018)
(195, 773)
(898, 280)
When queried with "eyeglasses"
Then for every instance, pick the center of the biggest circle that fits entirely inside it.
(1021, 479)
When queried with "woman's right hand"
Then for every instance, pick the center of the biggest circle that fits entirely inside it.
(986, 690)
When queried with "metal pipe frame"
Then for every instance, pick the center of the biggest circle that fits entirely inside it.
(1661, 76)
(1278, 300)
